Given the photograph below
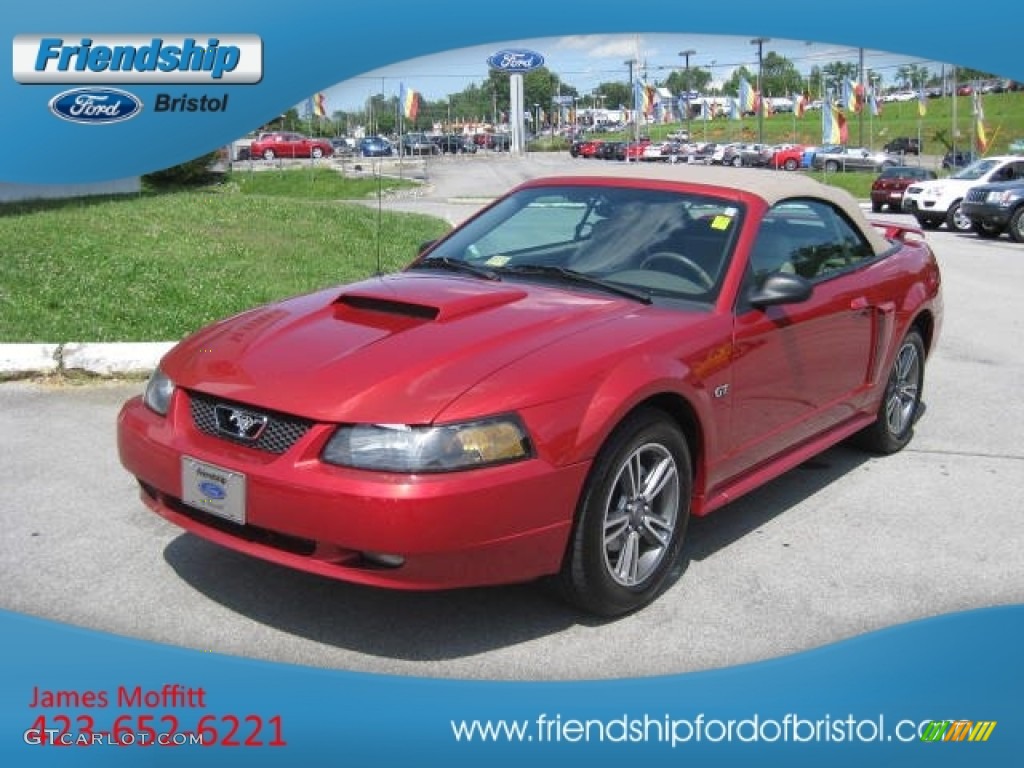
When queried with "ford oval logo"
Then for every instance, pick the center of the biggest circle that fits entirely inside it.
(95, 105)
(213, 491)
(515, 60)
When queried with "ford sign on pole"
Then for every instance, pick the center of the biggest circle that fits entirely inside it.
(515, 61)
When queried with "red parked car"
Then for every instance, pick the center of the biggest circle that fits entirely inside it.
(284, 144)
(590, 148)
(887, 190)
(550, 390)
(788, 158)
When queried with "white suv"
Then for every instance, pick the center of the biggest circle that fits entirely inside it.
(937, 202)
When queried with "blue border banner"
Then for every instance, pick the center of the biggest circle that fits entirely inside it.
(864, 701)
(114, 701)
(314, 45)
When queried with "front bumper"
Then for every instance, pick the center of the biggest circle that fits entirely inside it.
(497, 525)
(987, 213)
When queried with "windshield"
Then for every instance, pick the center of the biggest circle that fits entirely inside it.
(655, 242)
(975, 170)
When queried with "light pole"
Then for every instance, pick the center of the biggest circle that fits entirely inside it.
(636, 106)
(759, 42)
(686, 84)
(536, 117)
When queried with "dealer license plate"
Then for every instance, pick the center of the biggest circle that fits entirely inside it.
(213, 489)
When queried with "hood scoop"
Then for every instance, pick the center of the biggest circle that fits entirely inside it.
(423, 298)
(388, 306)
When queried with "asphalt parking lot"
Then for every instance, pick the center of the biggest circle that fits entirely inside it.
(843, 545)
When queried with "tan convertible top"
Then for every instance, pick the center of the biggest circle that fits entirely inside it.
(771, 186)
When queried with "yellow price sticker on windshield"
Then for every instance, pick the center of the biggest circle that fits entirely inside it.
(721, 222)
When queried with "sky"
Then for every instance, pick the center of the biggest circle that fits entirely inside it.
(586, 61)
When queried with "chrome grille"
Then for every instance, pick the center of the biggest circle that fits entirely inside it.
(281, 433)
(976, 195)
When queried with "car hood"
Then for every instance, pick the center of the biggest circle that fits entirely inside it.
(397, 348)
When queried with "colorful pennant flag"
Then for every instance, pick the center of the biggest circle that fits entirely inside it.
(922, 102)
(856, 102)
(320, 105)
(799, 104)
(748, 97)
(834, 129)
(874, 103)
(410, 101)
(979, 125)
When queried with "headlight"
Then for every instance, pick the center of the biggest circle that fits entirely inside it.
(159, 389)
(1001, 197)
(402, 448)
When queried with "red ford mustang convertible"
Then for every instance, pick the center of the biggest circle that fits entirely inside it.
(550, 390)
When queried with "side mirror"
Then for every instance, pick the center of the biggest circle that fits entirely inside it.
(781, 288)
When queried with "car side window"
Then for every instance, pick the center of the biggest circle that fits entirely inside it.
(818, 241)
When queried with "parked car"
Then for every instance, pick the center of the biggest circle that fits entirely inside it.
(747, 155)
(343, 145)
(903, 145)
(577, 144)
(375, 146)
(551, 390)
(1016, 147)
(887, 190)
(789, 158)
(934, 203)
(418, 144)
(852, 159)
(290, 145)
(996, 208)
(499, 142)
(591, 148)
(611, 150)
(958, 159)
(635, 149)
(455, 144)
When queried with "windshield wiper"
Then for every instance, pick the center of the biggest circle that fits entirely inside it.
(455, 265)
(572, 276)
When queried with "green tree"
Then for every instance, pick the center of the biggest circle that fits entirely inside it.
(731, 87)
(680, 80)
(780, 76)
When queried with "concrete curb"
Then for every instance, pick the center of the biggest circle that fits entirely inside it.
(93, 358)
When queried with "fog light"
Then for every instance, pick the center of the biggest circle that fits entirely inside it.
(384, 560)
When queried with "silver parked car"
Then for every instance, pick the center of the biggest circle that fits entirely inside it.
(853, 159)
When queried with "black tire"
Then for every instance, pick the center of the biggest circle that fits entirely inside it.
(876, 207)
(1016, 226)
(987, 231)
(791, 164)
(737, 162)
(901, 401)
(631, 519)
(316, 153)
(956, 221)
(268, 154)
(929, 223)
(832, 165)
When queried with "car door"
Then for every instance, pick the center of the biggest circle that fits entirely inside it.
(801, 369)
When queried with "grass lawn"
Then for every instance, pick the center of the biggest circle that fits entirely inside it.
(159, 265)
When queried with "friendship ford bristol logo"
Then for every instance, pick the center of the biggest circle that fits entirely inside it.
(515, 60)
(95, 106)
(238, 423)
